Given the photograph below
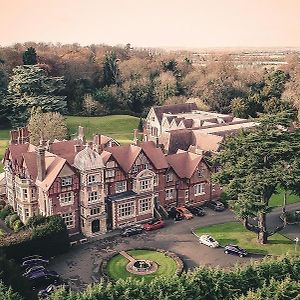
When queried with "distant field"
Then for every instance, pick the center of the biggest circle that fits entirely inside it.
(119, 127)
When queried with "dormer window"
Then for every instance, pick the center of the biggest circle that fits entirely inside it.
(169, 177)
(66, 181)
(91, 179)
(134, 168)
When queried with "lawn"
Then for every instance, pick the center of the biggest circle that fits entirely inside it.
(235, 233)
(119, 127)
(277, 199)
(3, 144)
(116, 267)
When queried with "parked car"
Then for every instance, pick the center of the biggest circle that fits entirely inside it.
(216, 205)
(43, 279)
(178, 217)
(208, 240)
(236, 250)
(29, 271)
(133, 230)
(154, 224)
(185, 212)
(32, 257)
(35, 262)
(44, 293)
(197, 211)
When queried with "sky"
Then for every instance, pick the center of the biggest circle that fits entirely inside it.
(153, 23)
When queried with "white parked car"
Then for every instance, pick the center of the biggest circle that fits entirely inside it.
(208, 241)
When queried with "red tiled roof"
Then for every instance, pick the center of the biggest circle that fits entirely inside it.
(65, 149)
(184, 163)
(155, 155)
(125, 155)
(174, 109)
(15, 152)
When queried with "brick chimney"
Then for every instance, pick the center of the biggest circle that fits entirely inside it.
(13, 137)
(41, 162)
(135, 136)
(81, 134)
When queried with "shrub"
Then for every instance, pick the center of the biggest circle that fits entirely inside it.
(7, 210)
(48, 239)
(35, 221)
(292, 217)
(17, 225)
(12, 220)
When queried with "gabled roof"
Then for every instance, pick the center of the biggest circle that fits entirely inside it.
(105, 156)
(155, 155)
(174, 109)
(15, 152)
(177, 139)
(184, 163)
(125, 155)
(65, 149)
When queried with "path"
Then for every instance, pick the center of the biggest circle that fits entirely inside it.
(127, 256)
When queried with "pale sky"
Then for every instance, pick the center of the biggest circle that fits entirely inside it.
(153, 23)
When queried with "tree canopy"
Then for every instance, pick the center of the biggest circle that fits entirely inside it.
(254, 163)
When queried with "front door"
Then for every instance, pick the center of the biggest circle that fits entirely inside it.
(95, 226)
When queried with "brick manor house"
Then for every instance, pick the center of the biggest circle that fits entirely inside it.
(101, 185)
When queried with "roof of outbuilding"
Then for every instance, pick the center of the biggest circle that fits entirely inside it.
(174, 109)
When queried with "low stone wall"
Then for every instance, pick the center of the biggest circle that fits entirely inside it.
(103, 267)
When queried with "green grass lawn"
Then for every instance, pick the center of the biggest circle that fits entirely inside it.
(4, 134)
(235, 233)
(277, 199)
(119, 127)
(116, 267)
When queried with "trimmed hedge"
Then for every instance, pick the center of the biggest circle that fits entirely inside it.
(47, 239)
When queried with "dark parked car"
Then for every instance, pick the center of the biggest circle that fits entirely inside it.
(43, 279)
(29, 271)
(44, 293)
(216, 205)
(35, 262)
(132, 231)
(235, 250)
(197, 211)
(154, 224)
(175, 214)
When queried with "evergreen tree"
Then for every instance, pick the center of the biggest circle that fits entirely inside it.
(110, 69)
(30, 86)
(30, 57)
(254, 163)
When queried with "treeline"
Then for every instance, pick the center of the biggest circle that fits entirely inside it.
(100, 79)
(268, 279)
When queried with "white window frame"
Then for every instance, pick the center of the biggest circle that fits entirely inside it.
(156, 180)
(110, 173)
(66, 181)
(126, 210)
(93, 196)
(120, 186)
(134, 169)
(169, 177)
(95, 211)
(68, 219)
(145, 205)
(92, 179)
(145, 184)
(199, 189)
(66, 198)
(169, 194)
(25, 193)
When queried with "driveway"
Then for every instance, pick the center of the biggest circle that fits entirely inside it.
(80, 265)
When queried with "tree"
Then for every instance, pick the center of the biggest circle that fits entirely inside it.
(30, 57)
(30, 86)
(254, 163)
(48, 126)
(110, 69)
(91, 106)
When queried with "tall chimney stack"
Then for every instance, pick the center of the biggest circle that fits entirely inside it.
(135, 136)
(81, 134)
(41, 162)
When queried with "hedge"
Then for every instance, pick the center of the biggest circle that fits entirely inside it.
(47, 239)
(204, 283)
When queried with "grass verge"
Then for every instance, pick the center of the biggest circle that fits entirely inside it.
(235, 233)
(277, 199)
(116, 267)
